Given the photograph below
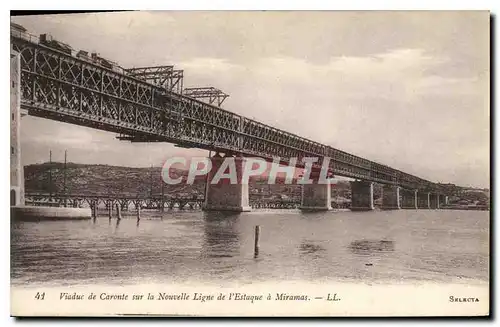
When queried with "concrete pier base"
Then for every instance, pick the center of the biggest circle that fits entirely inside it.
(362, 196)
(434, 201)
(16, 167)
(390, 197)
(409, 199)
(223, 195)
(33, 213)
(316, 197)
(424, 200)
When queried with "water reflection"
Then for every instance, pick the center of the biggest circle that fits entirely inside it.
(368, 247)
(221, 236)
(308, 247)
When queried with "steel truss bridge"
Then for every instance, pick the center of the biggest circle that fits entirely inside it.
(128, 202)
(59, 86)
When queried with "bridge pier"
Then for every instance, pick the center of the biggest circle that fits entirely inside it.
(390, 197)
(315, 196)
(424, 200)
(16, 167)
(443, 199)
(409, 199)
(224, 195)
(433, 201)
(362, 196)
(17, 190)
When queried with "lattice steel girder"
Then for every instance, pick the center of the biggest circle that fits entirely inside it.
(164, 76)
(58, 86)
(150, 72)
(211, 94)
(176, 81)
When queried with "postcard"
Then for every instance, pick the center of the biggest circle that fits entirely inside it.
(250, 163)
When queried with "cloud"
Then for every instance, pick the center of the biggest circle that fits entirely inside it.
(209, 65)
(398, 74)
(390, 107)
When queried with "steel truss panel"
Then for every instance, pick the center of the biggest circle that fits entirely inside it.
(164, 76)
(58, 86)
(210, 94)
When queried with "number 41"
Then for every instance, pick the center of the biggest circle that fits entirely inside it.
(39, 296)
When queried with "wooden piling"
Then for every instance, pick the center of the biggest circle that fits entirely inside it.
(93, 209)
(256, 244)
(118, 211)
(138, 212)
(110, 210)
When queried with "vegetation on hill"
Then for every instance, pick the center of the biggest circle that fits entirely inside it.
(128, 181)
(103, 179)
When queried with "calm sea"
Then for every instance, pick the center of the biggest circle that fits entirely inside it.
(193, 246)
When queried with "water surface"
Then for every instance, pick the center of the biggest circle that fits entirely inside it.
(212, 247)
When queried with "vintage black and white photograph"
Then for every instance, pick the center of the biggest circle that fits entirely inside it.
(250, 163)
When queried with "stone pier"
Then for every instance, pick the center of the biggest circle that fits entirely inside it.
(18, 209)
(224, 195)
(16, 168)
(443, 199)
(409, 199)
(424, 200)
(434, 201)
(390, 197)
(316, 197)
(362, 196)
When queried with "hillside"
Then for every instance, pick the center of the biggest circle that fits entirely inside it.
(105, 179)
(102, 179)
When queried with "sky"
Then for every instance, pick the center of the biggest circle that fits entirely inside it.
(406, 89)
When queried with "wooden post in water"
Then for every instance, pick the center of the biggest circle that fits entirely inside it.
(138, 212)
(256, 244)
(110, 210)
(93, 208)
(118, 211)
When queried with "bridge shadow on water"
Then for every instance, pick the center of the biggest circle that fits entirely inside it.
(221, 236)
